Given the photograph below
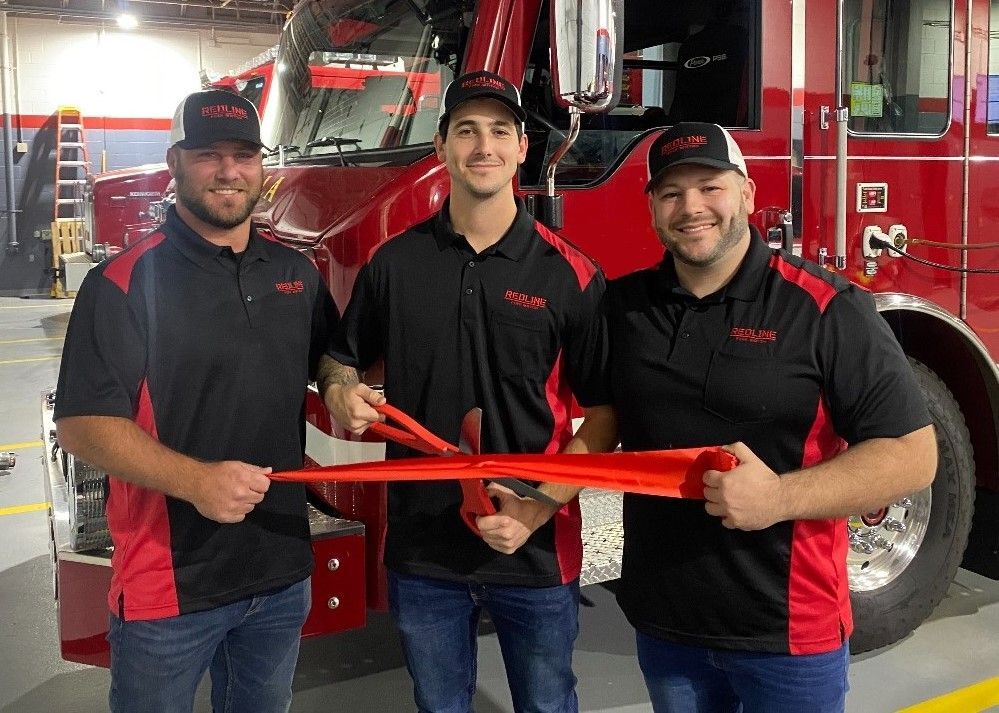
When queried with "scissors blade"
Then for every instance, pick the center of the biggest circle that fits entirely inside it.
(526, 491)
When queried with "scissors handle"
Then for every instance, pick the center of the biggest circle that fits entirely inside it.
(412, 434)
(475, 503)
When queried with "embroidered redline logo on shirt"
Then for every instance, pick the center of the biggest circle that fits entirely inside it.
(290, 288)
(756, 336)
(522, 299)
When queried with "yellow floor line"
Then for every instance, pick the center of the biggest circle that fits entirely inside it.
(32, 339)
(24, 361)
(17, 509)
(971, 699)
(23, 445)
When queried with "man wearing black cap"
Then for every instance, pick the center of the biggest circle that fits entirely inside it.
(742, 600)
(481, 306)
(184, 375)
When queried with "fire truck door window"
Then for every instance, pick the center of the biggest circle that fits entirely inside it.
(993, 110)
(696, 62)
(896, 65)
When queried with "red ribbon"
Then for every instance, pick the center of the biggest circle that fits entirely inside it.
(674, 473)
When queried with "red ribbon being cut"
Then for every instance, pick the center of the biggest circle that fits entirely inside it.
(673, 473)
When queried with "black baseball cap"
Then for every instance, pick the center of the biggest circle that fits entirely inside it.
(478, 85)
(697, 143)
(205, 117)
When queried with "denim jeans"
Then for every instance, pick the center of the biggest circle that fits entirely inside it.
(250, 648)
(536, 628)
(691, 679)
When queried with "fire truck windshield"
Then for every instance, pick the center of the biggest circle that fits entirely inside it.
(360, 81)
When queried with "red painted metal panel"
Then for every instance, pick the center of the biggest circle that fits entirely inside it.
(121, 199)
(350, 210)
(83, 611)
(338, 602)
(83, 591)
(983, 223)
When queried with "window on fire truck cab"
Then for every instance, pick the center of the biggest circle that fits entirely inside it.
(360, 80)
(896, 65)
(698, 61)
(993, 100)
(252, 90)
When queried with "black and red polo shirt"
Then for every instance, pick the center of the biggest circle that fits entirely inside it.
(210, 353)
(514, 330)
(796, 363)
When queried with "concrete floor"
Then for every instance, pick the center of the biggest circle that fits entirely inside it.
(363, 670)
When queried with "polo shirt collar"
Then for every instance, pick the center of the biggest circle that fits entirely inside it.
(744, 285)
(203, 252)
(514, 244)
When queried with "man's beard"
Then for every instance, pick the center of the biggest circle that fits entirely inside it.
(224, 218)
(737, 228)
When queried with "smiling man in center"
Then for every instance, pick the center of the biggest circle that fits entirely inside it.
(481, 306)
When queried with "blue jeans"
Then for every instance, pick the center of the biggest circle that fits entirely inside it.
(691, 679)
(250, 648)
(536, 627)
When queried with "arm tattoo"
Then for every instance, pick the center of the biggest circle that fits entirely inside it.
(332, 372)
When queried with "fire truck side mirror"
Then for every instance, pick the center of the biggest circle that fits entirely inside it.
(588, 36)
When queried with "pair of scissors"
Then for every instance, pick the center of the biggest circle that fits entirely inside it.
(476, 501)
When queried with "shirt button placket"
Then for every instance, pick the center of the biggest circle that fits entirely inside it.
(248, 298)
(466, 278)
(684, 332)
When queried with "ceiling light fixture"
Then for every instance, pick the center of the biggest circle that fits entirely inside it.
(127, 21)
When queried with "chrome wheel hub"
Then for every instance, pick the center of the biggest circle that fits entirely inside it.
(883, 543)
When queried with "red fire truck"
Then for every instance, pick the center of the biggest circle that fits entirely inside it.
(865, 123)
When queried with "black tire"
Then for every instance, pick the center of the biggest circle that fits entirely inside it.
(885, 614)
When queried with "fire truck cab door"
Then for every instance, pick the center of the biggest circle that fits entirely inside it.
(983, 168)
(901, 75)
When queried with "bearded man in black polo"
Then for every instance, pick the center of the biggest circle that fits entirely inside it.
(742, 602)
(184, 376)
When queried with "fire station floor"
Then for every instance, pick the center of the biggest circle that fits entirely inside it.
(934, 669)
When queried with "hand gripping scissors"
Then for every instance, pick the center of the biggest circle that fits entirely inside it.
(475, 498)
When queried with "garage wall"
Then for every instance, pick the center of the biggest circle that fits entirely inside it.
(126, 84)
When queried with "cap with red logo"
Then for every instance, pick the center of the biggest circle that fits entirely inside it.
(477, 85)
(697, 143)
(203, 118)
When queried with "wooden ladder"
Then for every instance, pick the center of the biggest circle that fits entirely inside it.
(72, 167)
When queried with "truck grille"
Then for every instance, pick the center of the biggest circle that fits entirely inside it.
(87, 491)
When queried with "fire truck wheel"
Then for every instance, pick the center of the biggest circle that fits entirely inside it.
(903, 557)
